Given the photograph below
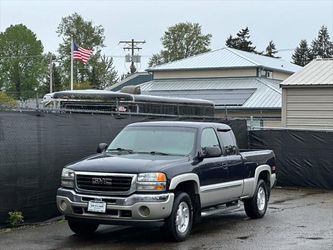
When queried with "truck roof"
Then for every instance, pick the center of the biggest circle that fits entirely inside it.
(181, 124)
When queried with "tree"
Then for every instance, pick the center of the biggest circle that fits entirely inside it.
(156, 59)
(103, 73)
(180, 41)
(56, 76)
(270, 49)
(322, 46)
(22, 64)
(302, 55)
(86, 35)
(241, 41)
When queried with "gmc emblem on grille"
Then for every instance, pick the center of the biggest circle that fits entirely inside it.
(101, 181)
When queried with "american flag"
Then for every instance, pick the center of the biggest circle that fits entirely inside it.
(81, 53)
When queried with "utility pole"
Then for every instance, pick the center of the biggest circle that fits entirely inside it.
(132, 45)
(51, 73)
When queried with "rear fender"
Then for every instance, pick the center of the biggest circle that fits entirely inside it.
(250, 184)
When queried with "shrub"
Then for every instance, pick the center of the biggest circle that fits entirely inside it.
(7, 101)
(15, 218)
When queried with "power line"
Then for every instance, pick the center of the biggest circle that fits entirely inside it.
(22, 56)
(280, 50)
(34, 56)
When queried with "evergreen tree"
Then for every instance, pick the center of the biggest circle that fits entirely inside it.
(302, 55)
(271, 49)
(103, 73)
(57, 84)
(180, 41)
(322, 46)
(241, 41)
(56, 76)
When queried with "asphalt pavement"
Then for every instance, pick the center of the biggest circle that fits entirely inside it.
(295, 219)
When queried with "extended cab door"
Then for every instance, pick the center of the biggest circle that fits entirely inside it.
(213, 171)
(233, 160)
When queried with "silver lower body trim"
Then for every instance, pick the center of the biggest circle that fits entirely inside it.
(273, 180)
(118, 209)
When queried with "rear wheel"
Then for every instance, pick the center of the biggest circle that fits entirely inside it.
(82, 228)
(179, 224)
(256, 206)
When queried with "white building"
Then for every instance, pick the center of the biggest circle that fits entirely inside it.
(307, 97)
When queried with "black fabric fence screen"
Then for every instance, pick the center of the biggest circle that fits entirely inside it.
(304, 158)
(34, 147)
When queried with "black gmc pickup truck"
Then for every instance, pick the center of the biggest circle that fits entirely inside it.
(172, 173)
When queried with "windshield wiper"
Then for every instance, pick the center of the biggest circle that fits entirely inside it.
(120, 150)
(158, 153)
(154, 153)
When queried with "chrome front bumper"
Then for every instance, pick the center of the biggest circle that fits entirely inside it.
(129, 209)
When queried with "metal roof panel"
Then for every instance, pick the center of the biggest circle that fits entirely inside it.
(227, 58)
(317, 72)
(266, 95)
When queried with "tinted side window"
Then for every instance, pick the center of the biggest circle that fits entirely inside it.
(229, 143)
(208, 138)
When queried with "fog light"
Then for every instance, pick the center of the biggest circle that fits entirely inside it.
(144, 211)
(63, 205)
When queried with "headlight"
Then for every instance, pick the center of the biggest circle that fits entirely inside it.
(67, 178)
(151, 182)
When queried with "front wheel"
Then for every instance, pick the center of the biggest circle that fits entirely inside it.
(179, 224)
(82, 228)
(256, 206)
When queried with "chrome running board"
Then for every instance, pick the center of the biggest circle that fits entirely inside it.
(219, 209)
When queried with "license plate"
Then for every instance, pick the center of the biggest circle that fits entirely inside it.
(97, 206)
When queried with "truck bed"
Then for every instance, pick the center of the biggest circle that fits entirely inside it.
(258, 156)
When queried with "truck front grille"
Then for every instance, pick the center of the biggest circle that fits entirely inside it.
(101, 183)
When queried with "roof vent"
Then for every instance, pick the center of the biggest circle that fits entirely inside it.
(135, 90)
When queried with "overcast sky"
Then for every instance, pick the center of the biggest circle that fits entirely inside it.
(283, 21)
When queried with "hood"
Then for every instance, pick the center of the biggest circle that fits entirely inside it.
(126, 163)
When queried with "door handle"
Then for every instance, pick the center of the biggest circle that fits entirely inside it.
(224, 165)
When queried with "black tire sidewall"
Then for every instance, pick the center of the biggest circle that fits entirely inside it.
(171, 222)
(82, 228)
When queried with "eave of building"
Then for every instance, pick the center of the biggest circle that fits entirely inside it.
(240, 108)
(314, 85)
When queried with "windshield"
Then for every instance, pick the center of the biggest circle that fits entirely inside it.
(154, 140)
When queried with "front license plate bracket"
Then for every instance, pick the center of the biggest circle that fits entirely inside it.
(96, 206)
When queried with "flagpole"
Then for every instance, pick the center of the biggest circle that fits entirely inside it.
(72, 47)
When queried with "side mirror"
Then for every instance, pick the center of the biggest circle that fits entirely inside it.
(101, 147)
(209, 152)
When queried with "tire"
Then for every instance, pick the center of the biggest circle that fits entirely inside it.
(82, 228)
(179, 224)
(256, 206)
